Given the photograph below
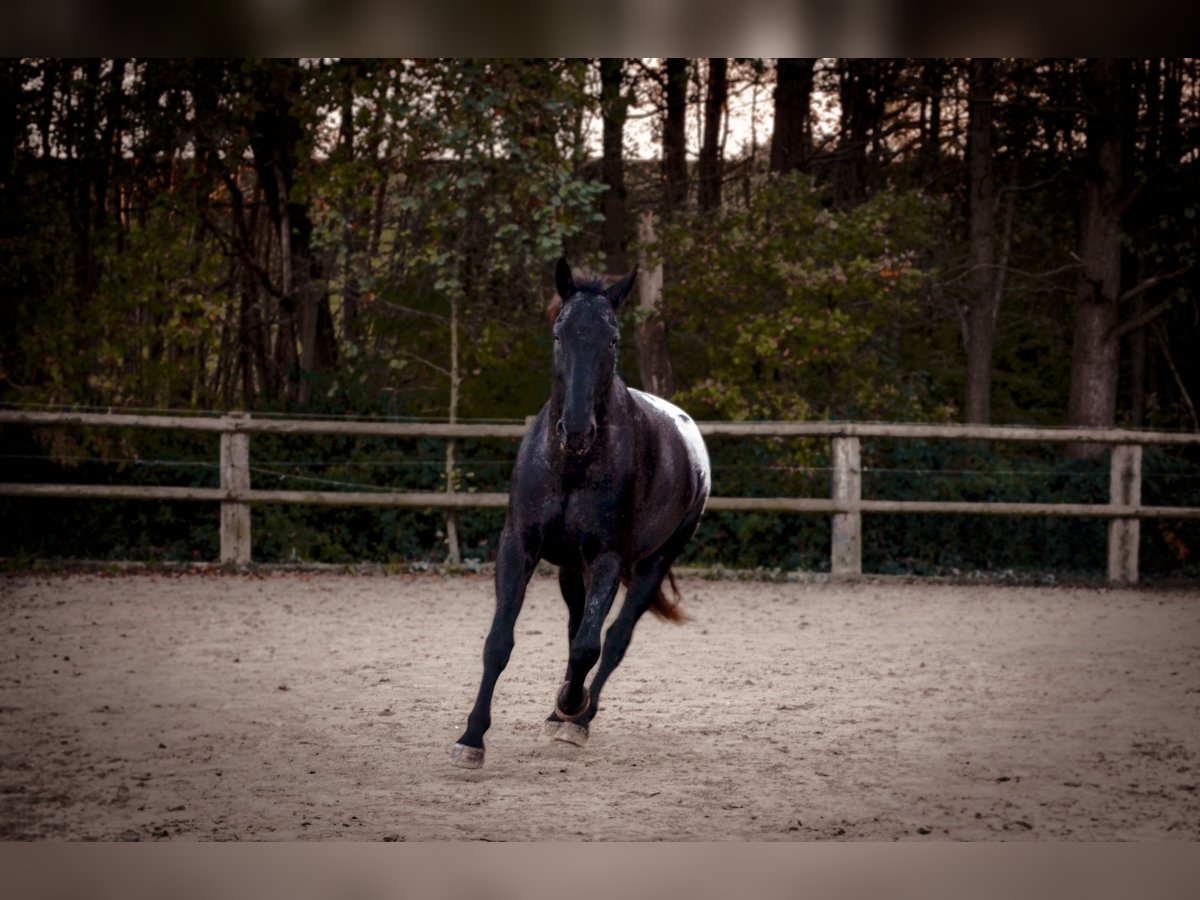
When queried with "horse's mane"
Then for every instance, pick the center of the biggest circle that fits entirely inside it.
(586, 284)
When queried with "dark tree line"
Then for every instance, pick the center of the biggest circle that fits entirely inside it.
(367, 235)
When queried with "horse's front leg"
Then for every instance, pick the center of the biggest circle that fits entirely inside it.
(643, 588)
(573, 701)
(515, 562)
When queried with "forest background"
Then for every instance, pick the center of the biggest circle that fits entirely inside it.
(988, 241)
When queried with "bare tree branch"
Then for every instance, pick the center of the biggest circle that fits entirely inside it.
(1145, 318)
(1162, 341)
(408, 310)
(423, 361)
(1152, 281)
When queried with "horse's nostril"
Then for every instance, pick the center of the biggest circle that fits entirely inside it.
(575, 442)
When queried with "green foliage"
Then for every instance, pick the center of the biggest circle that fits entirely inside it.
(482, 192)
(156, 312)
(795, 311)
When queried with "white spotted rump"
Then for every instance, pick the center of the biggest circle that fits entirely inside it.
(686, 426)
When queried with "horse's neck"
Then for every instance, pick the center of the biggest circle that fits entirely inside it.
(614, 402)
(618, 392)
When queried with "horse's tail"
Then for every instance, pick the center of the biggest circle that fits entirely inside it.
(669, 609)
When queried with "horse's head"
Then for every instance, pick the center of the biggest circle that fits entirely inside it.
(585, 353)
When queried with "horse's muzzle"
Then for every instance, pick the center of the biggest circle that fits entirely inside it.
(575, 444)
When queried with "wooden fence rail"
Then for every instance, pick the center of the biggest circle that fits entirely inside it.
(846, 506)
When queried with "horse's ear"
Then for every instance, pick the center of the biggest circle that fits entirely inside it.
(563, 282)
(619, 291)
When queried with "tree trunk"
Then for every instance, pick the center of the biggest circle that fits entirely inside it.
(614, 106)
(1137, 367)
(352, 232)
(979, 318)
(109, 148)
(1172, 141)
(1150, 77)
(674, 140)
(650, 333)
(453, 551)
(932, 78)
(286, 358)
(309, 297)
(12, 136)
(791, 141)
(1161, 127)
(276, 138)
(709, 174)
(1092, 401)
(854, 92)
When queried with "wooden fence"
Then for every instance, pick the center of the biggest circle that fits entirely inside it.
(846, 504)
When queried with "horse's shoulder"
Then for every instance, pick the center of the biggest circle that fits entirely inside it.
(657, 405)
(674, 427)
(662, 412)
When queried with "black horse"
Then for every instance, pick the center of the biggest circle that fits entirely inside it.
(609, 486)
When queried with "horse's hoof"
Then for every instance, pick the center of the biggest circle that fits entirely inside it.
(583, 707)
(572, 733)
(551, 727)
(467, 757)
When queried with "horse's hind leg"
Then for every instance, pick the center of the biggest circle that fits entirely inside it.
(574, 592)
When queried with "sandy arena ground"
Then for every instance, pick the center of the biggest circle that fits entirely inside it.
(291, 706)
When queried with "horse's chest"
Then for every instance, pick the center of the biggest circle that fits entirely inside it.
(589, 521)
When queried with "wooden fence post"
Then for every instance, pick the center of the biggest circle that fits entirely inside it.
(1125, 489)
(846, 550)
(235, 476)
